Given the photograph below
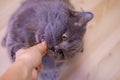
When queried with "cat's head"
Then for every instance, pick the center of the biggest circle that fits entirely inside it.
(65, 31)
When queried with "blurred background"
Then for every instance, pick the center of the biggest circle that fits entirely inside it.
(101, 57)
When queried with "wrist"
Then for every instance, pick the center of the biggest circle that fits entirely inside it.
(19, 70)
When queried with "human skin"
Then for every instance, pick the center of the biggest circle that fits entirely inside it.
(27, 60)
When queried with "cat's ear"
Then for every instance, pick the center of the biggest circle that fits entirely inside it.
(82, 17)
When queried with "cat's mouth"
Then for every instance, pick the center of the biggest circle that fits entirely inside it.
(58, 53)
(61, 53)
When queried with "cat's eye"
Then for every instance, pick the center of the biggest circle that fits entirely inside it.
(64, 37)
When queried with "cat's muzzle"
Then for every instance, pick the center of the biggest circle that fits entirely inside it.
(57, 53)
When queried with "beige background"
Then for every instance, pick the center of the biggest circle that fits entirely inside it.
(101, 58)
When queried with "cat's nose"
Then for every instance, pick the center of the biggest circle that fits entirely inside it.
(52, 48)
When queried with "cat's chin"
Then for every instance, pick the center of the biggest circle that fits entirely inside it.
(57, 56)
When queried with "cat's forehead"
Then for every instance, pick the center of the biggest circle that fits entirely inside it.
(58, 8)
(58, 14)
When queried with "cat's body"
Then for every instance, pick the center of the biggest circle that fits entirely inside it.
(54, 21)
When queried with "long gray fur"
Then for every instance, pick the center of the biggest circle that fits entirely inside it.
(49, 20)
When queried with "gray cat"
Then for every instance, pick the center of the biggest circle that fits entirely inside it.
(57, 23)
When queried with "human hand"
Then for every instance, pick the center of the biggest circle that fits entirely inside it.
(31, 59)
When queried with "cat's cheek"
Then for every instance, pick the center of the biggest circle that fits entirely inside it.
(63, 45)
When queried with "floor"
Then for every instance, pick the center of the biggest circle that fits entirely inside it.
(100, 60)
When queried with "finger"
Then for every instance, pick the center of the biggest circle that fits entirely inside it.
(19, 52)
(35, 74)
(39, 68)
(42, 48)
(33, 55)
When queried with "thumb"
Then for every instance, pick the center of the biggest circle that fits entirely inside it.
(37, 52)
(33, 55)
(41, 48)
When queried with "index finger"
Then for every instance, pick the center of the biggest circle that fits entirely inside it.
(42, 47)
